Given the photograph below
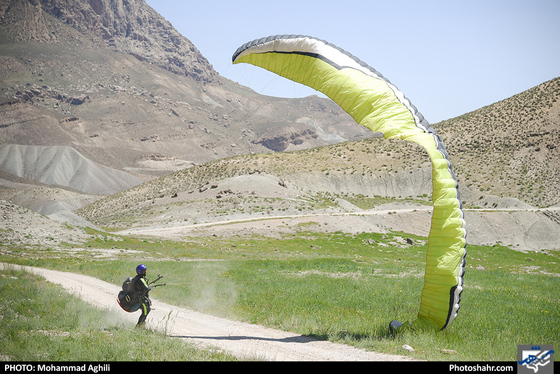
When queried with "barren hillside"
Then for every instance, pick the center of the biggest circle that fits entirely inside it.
(116, 82)
(510, 148)
(63, 166)
(498, 155)
(112, 92)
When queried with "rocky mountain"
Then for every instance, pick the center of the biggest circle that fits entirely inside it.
(116, 82)
(99, 96)
(129, 27)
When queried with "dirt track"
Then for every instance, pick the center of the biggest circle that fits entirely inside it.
(246, 341)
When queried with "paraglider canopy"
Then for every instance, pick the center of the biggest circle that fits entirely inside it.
(377, 104)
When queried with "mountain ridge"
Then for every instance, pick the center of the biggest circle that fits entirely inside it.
(115, 82)
(130, 27)
(116, 68)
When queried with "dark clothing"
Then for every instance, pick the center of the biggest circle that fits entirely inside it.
(136, 298)
(145, 309)
(140, 287)
(139, 293)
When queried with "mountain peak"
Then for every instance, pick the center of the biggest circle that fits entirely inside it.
(126, 26)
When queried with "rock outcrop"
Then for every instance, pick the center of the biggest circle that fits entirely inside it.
(127, 26)
(279, 143)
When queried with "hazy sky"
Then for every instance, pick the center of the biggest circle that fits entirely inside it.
(448, 57)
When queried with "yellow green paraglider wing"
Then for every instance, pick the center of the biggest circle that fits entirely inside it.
(378, 105)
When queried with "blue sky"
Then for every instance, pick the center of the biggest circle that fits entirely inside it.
(448, 57)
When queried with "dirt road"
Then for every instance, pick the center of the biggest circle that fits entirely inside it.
(522, 229)
(246, 341)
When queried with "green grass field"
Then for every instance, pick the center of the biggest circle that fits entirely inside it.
(338, 287)
(41, 322)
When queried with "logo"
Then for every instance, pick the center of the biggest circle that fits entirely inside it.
(533, 359)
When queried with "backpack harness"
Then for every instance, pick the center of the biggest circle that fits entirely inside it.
(124, 298)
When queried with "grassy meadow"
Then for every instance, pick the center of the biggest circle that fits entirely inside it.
(40, 322)
(338, 287)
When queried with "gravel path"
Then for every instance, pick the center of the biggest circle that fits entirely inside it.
(244, 340)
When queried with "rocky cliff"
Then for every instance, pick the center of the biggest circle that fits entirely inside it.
(116, 82)
(126, 26)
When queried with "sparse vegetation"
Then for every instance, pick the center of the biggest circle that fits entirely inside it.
(510, 148)
(151, 199)
(495, 151)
